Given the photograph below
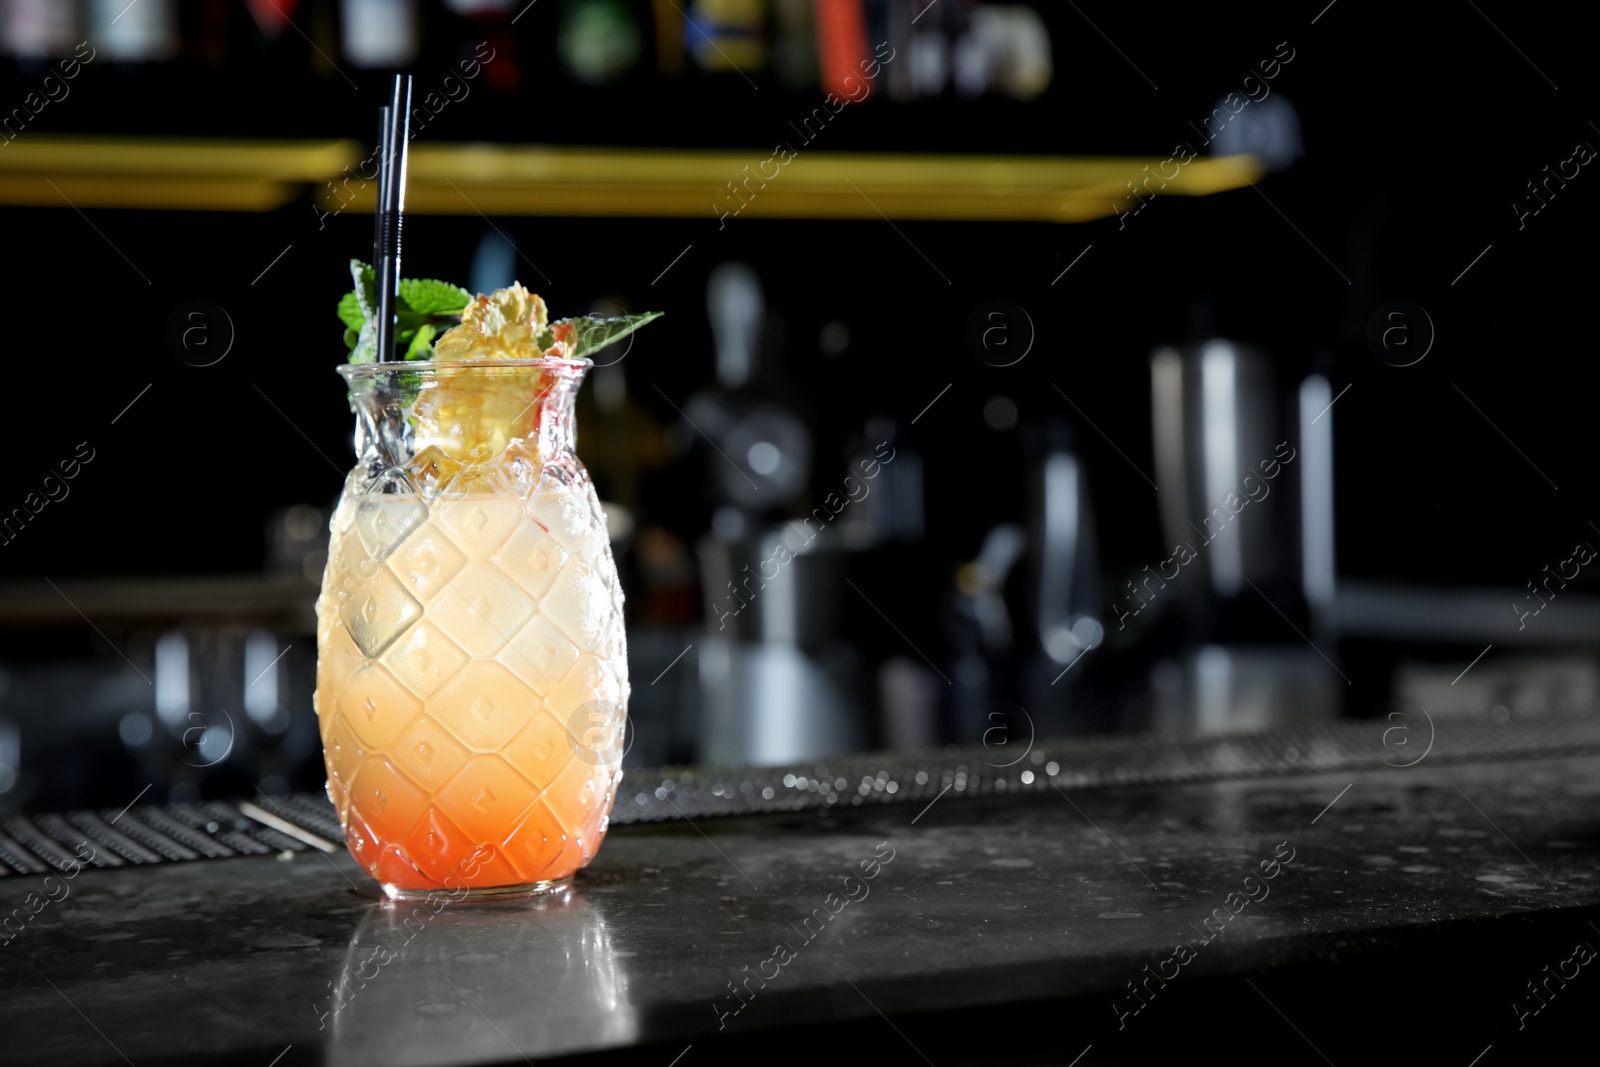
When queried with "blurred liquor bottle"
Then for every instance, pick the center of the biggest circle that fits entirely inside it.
(206, 31)
(485, 28)
(668, 21)
(601, 41)
(379, 34)
(794, 44)
(294, 36)
(36, 30)
(133, 33)
(966, 48)
(272, 17)
(727, 36)
(842, 45)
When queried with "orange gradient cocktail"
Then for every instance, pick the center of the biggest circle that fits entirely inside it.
(472, 677)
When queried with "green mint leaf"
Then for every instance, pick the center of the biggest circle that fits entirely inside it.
(429, 296)
(420, 305)
(595, 333)
(350, 312)
(421, 346)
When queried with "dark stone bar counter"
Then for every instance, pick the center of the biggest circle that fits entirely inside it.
(1434, 913)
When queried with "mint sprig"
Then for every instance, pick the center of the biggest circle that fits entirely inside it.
(423, 305)
(597, 332)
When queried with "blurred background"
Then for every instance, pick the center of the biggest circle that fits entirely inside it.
(1041, 368)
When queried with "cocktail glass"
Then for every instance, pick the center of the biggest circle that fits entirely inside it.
(472, 676)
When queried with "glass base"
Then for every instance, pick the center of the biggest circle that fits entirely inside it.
(490, 892)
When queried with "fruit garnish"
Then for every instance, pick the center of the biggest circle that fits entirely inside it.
(510, 323)
(504, 324)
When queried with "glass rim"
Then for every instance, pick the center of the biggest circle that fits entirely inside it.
(352, 371)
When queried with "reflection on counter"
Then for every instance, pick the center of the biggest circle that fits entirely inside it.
(406, 992)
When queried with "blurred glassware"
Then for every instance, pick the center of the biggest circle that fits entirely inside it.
(1498, 688)
(494, 262)
(1223, 455)
(1268, 129)
(1066, 566)
(297, 542)
(1216, 415)
(909, 695)
(893, 510)
(1236, 687)
(10, 748)
(1318, 559)
(778, 684)
(760, 455)
(982, 636)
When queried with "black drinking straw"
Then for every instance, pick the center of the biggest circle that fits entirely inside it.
(392, 190)
(383, 178)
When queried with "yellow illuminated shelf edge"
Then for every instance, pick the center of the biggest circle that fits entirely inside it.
(468, 179)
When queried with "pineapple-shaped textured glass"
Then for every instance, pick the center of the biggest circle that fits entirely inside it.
(472, 675)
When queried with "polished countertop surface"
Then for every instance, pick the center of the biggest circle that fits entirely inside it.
(997, 929)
